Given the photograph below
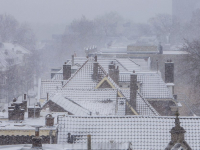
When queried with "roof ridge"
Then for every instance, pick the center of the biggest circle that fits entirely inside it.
(69, 101)
(75, 73)
(149, 105)
(121, 64)
(103, 70)
(76, 103)
(133, 61)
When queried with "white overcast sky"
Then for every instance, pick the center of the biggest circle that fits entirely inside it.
(49, 17)
(60, 11)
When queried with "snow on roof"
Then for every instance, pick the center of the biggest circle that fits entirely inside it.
(129, 64)
(152, 85)
(175, 52)
(82, 78)
(125, 64)
(26, 124)
(83, 90)
(68, 146)
(50, 86)
(69, 105)
(143, 107)
(15, 48)
(144, 132)
(97, 101)
(3, 61)
(58, 76)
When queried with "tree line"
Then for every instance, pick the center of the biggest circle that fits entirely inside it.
(19, 78)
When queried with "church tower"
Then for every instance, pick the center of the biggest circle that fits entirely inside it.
(177, 137)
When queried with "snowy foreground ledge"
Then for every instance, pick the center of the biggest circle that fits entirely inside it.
(102, 146)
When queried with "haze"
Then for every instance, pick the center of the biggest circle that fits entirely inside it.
(48, 17)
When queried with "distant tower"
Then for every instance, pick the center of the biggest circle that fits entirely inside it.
(177, 137)
(183, 9)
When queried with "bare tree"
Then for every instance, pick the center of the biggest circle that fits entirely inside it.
(191, 70)
(8, 27)
(166, 29)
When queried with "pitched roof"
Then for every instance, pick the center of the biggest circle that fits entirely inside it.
(143, 107)
(125, 64)
(97, 101)
(50, 86)
(69, 105)
(82, 78)
(144, 132)
(152, 85)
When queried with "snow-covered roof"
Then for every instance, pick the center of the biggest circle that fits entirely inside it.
(144, 132)
(11, 54)
(97, 101)
(175, 52)
(67, 146)
(152, 86)
(50, 86)
(27, 123)
(82, 78)
(15, 48)
(87, 92)
(69, 105)
(125, 64)
(143, 107)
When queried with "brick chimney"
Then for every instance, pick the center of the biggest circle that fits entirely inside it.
(133, 89)
(95, 69)
(49, 120)
(37, 140)
(66, 71)
(34, 111)
(169, 75)
(15, 112)
(114, 73)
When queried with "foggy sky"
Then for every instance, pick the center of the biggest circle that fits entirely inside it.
(60, 12)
